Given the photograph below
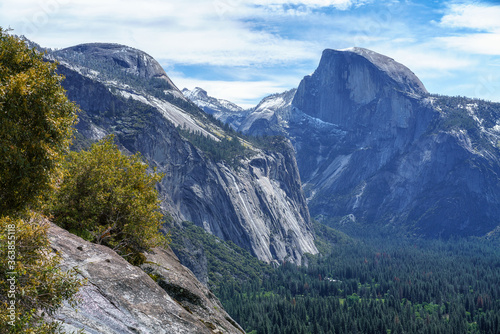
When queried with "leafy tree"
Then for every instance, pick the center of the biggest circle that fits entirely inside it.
(36, 121)
(109, 198)
(31, 283)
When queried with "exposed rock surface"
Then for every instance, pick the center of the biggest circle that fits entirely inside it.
(223, 110)
(374, 148)
(125, 58)
(258, 205)
(181, 284)
(121, 298)
(270, 116)
(350, 91)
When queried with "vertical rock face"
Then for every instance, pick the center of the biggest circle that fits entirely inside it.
(359, 88)
(374, 149)
(121, 298)
(258, 205)
(360, 104)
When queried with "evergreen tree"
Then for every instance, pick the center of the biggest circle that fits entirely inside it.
(36, 121)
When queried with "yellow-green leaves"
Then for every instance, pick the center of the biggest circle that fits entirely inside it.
(109, 198)
(36, 122)
(30, 281)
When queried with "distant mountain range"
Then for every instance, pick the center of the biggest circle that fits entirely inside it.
(377, 153)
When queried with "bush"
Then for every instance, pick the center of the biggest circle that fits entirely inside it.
(31, 283)
(109, 198)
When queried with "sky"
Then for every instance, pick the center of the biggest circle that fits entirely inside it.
(243, 50)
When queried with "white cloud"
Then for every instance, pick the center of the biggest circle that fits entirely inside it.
(486, 44)
(473, 16)
(339, 4)
(425, 58)
(485, 19)
(188, 32)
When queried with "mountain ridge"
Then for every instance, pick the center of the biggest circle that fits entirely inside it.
(257, 203)
(376, 150)
(223, 110)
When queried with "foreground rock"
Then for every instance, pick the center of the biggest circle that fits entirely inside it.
(121, 298)
(181, 284)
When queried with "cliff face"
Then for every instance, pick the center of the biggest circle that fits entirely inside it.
(353, 107)
(121, 298)
(373, 147)
(352, 91)
(258, 205)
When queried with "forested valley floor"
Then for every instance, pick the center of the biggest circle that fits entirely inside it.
(377, 286)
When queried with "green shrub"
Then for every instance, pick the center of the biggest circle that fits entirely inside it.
(109, 198)
(36, 122)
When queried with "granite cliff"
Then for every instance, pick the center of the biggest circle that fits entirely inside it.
(256, 201)
(374, 148)
(121, 298)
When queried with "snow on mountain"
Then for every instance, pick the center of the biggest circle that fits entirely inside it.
(210, 104)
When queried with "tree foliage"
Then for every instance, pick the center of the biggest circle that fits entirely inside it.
(377, 286)
(109, 198)
(225, 260)
(230, 150)
(36, 121)
(32, 282)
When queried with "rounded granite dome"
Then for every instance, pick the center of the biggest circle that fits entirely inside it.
(401, 74)
(131, 60)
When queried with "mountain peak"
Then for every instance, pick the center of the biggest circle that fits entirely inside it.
(347, 82)
(130, 60)
(196, 94)
(400, 74)
(211, 105)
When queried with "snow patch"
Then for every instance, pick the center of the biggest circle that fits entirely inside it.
(173, 113)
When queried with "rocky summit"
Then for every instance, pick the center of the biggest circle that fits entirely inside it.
(374, 148)
(127, 59)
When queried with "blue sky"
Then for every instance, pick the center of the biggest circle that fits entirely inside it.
(244, 50)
